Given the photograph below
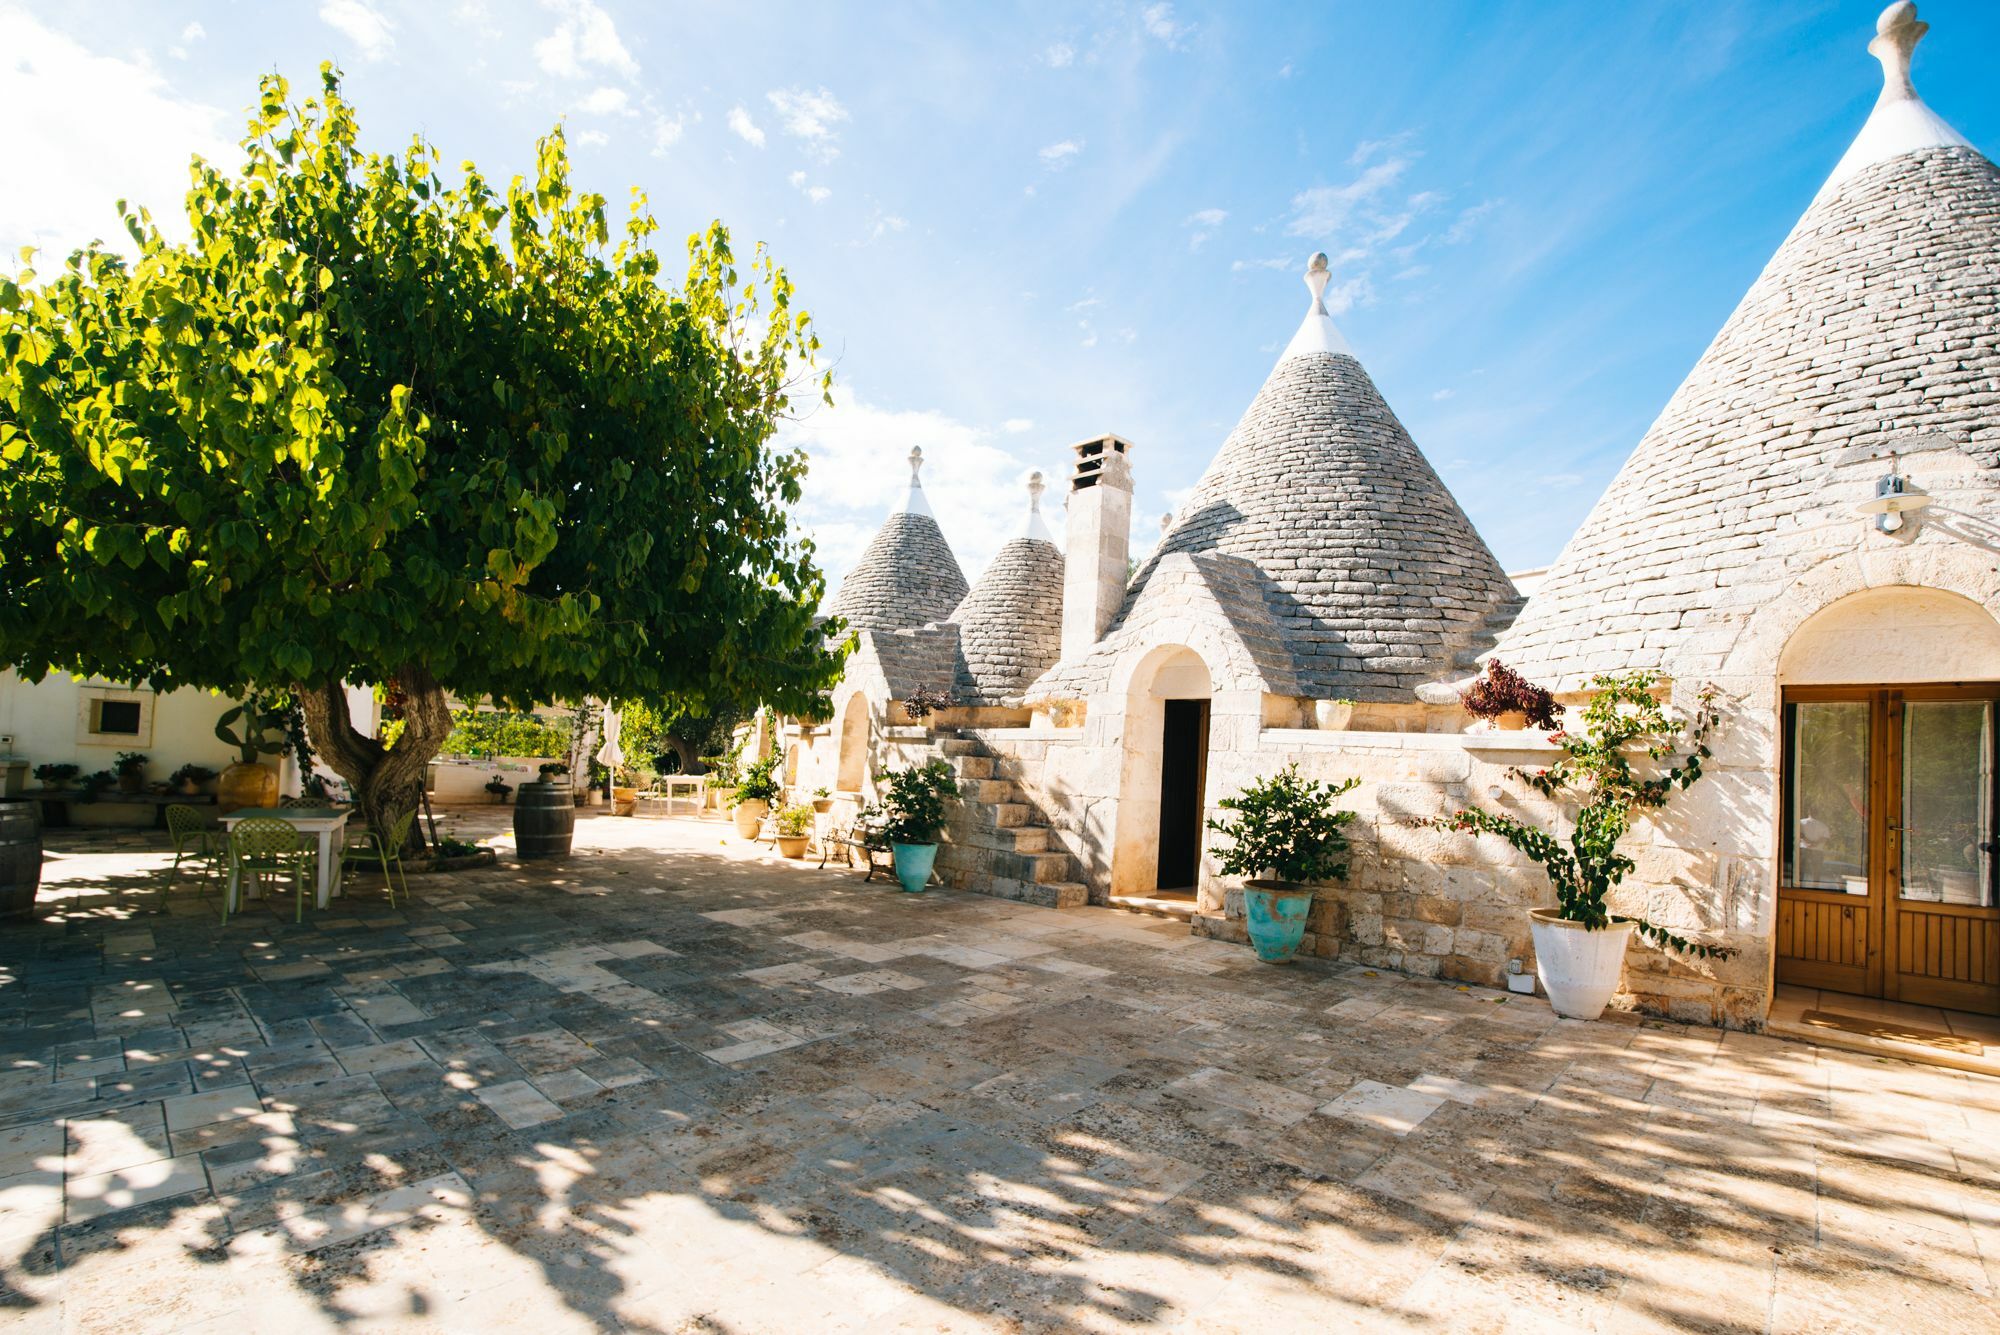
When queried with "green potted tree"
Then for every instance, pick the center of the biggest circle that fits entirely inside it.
(913, 816)
(1288, 834)
(57, 775)
(754, 794)
(1579, 943)
(795, 824)
(131, 767)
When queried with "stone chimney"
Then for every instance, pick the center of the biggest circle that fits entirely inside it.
(1098, 550)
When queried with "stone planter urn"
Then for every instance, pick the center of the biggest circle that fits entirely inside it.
(1275, 914)
(750, 815)
(913, 865)
(241, 785)
(1579, 968)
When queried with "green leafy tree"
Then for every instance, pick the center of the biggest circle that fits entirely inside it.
(1289, 826)
(1595, 773)
(370, 425)
(914, 809)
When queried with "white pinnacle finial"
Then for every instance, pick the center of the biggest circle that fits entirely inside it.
(1317, 334)
(1166, 522)
(1318, 273)
(1036, 527)
(1900, 122)
(914, 502)
(1897, 33)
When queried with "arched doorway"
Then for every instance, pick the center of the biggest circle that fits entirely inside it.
(1888, 810)
(852, 770)
(1164, 775)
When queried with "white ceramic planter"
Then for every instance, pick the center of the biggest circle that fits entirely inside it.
(1579, 968)
(1332, 715)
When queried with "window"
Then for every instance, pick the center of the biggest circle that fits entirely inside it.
(116, 717)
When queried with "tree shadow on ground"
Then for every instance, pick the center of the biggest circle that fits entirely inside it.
(1071, 1120)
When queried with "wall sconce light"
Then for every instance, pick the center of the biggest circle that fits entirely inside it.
(1894, 496)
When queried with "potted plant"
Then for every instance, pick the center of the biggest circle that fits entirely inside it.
(1288, 834)
(57, 775)
(795, 825)
(822, 800)
(754, 794)
(499, 787)
(188, 779)
(925, 701)
(593, 793)
(913, 818)
(131, 767)
(254, 732)
(1579, 943)
(1508, 700)
(94, 784)
(723, 773)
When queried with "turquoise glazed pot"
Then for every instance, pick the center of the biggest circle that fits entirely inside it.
(1277, 917)
(913, 865)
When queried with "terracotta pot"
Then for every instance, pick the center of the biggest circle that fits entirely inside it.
(792, 845)
(1514, 720)
(244, 785)
(131, 781)
(1579, 967)
(822, 805)
(750, 816)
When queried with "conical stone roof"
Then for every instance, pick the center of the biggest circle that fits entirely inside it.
(907, 575)
(1010, 625)
(1876, 326)
(1372, 577)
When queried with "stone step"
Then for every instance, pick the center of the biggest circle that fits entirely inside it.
(1017, 839)
(1154, 906)
(972, 768)
(960, 746)
(1049, 895)
(999, 815)
(991, 792)
(1006, 865)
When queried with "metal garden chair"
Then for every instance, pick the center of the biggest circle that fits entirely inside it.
(266, 846)
(384, 849)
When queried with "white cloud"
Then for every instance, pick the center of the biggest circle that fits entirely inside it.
(1057, 156)
(593, 139)
(1324, 211)
(666, 133)
(1468, 220)
(976, 487)
(818, 194)
(1562, 480)
(809, 115)
(361, 23)
(884, 223)
(1208, 218)
(1441, 395)
(1160, 22)
(604, 102)
(123, 133)
(584, 35)
(1015, 426)
(1280, 262)
(797, 179)
(194, 32)
(475, 15)
(1060, 55)
(745, 128)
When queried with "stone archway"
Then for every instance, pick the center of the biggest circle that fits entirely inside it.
(1162, 772)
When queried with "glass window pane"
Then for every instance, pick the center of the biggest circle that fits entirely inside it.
(1948, 801)
(1826, 840)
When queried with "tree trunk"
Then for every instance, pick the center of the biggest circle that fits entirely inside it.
(387, 781)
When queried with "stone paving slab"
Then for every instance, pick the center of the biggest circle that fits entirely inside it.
(674, 1083)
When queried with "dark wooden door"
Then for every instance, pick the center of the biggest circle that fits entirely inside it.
(1887, 834)
(1183, 767)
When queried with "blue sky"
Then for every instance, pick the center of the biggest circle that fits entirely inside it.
(1019, 225)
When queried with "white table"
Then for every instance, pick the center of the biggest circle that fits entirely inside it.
(695, 784)
(324, 822)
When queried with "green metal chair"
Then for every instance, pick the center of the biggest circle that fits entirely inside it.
(384, 850)
(193, 840)
(265, 846)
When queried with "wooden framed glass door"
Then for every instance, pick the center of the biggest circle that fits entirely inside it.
(1888, 843)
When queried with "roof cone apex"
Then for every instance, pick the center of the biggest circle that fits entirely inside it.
(1900, 122)
(1037, 528)
(1317, 333)
(914, 501)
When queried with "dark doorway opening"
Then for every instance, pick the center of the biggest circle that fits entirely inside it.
(1183, 768)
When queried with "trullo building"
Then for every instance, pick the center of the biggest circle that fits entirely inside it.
(1812, 527)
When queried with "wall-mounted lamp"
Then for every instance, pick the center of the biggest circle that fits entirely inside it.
(1894, 495)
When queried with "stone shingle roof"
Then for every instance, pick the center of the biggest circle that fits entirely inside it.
(1877, 321)
(906, 577)
(1010, 625)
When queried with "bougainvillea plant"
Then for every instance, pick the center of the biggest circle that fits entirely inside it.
(1505, 691)
(1287, 826)
(1623, 720)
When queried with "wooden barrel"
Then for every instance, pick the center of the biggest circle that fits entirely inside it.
(20, 857)
(544, 820)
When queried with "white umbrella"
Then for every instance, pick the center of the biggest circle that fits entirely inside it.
(610, 755)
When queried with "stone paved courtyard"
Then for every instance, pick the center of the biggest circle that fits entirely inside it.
(671, 1084)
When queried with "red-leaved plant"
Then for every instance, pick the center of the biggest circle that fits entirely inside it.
(1505, 691)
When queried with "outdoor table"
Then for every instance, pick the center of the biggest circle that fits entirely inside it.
(325, 822)
(696, 784)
